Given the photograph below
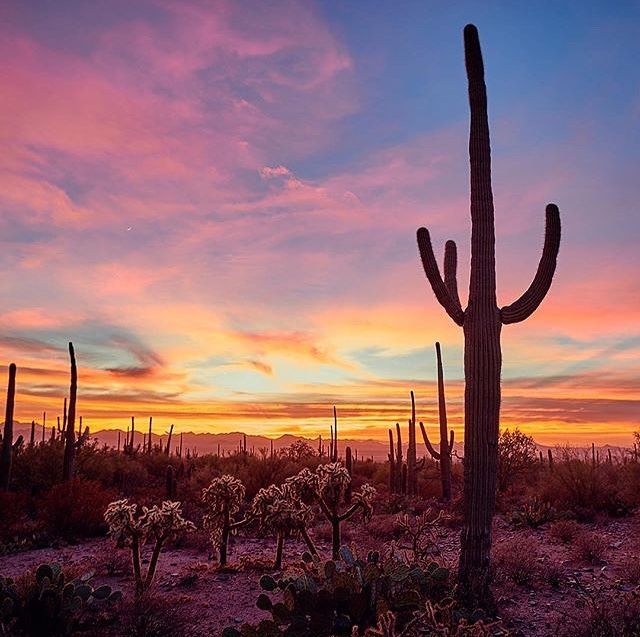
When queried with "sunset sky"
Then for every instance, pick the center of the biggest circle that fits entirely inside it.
(217, 203)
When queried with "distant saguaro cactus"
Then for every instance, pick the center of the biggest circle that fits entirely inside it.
(412, 473)
(7, 437)
(446, 440)
(482, 322)
(70, 434)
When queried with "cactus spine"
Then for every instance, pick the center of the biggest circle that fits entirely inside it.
(442, 457)
(70, 434)
(7, 437)
(481, 322)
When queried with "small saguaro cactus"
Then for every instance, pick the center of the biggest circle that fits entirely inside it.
(482, 322)
(6, 458)
(222, 500)
(158, 524)
(446, 439)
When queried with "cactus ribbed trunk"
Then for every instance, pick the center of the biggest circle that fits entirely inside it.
(400, 467)
(70, 434)
(7, 437)
(482, 322)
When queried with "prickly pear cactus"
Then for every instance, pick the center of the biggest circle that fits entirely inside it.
(336, 597)
(49, 605)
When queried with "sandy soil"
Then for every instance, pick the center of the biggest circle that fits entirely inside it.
(214, 599)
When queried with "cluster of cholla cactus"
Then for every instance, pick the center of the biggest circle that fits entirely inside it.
(222, 500)
(156, 524)
(280, 511)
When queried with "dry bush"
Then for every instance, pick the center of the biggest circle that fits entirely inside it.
(552, 573)
(602, 613)
(74, 509)
(565, 531)
(517, 456)
(516, 560)
(632, 571)
(590, 547)
(585, 489)
(154, 615)
(384, 527)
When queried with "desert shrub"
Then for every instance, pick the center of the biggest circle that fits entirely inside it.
(552, 573)
(516, 560)
(154, 615)
(384, 528)
(517, 455)
(584, 489)
(419, 533)
(533, 513)
(13, 506)
(590, 546)
(74, 509)
(447, 618)
(632, 571)
(602, 613)
(564, 530)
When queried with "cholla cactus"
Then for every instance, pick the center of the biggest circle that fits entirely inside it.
(281, 511)
(331, 484)
(222, 500)
(159, 524)
(304, 485)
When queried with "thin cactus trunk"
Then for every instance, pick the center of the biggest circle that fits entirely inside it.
(412, 476)
(149, 446)
(393, 482)
(400, 467)
(482, 322)
(334, 457)
(7, 436)
(32, 439)
(68, 464)
(446, 445)
(349, 466)
(168, 448)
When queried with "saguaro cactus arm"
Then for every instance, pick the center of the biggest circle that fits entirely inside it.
(427, 443)
(527, 304)
(449, 301)
(450, 270)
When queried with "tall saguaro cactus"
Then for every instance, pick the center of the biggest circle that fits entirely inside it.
(482, 322)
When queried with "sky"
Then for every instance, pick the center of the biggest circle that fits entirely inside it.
(217, 203)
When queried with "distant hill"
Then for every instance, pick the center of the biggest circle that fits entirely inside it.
(227, 443)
